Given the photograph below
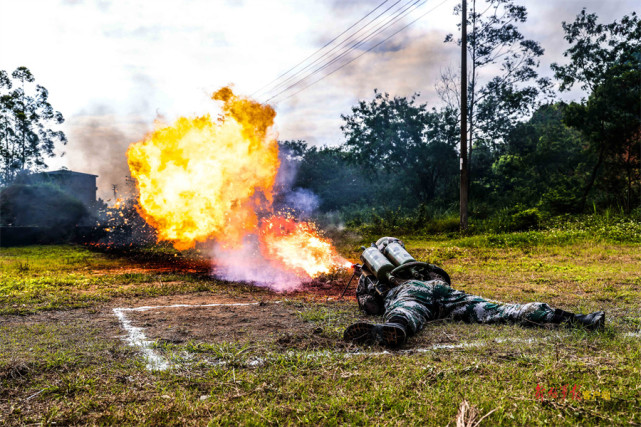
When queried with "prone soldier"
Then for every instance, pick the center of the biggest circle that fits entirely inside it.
(409, 294)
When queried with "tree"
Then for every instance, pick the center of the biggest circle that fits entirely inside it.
(595, 48)
(26, 115)
(610, 121)
(542, 163)
(497, 99)
(606, 60)
(396, 136)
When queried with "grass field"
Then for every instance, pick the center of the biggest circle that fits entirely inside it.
(63, 358)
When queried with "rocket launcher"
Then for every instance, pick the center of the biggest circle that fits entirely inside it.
(390, 264)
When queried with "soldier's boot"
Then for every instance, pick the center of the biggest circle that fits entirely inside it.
(593, 321)
(389, 334)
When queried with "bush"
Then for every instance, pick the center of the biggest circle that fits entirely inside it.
(528, 219)
(560, 200)
(41, 206)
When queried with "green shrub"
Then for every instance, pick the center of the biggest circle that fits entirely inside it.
(448, 224)
(528, 219)
(560, 200)
(44, 206)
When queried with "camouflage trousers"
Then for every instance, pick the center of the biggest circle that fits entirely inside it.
(419, 302)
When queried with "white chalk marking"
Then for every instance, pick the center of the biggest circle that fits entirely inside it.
(155, 307)
(446, 346)
(34, 395)
(136, 337)
(155, 362)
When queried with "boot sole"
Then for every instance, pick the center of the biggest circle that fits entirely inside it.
(392, 337)
(360, 333)
(367, 333)
(599, 325)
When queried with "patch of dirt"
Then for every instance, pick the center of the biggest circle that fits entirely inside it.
(268, 322)
(317, 339)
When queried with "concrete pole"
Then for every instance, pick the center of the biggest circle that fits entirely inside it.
(464, 169)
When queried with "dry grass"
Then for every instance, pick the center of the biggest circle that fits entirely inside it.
(71, 367)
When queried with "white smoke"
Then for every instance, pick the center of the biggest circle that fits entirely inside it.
(246, 264)
(302, 200)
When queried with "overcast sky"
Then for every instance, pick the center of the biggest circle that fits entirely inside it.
(112, 67)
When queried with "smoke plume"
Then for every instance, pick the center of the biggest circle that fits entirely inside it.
(98, 141)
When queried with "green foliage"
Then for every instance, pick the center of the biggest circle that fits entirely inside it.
(605, 59)
(26, 117)
(527, 219)
(421, 221)
(596, 47)
(561, 199)
(542, 165)
(407, 143)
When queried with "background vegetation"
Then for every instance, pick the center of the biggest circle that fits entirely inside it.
(532, 157)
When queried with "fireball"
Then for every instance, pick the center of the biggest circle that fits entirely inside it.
(202, 178)
(298, 246)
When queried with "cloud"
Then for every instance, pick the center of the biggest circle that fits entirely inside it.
(412, 63)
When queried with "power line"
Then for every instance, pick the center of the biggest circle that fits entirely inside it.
(375, 33)
(380, 29)
(299, 72)
(368, 50)
(326, 44)
(397, 16)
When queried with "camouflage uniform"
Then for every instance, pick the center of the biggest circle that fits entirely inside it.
(418, 302)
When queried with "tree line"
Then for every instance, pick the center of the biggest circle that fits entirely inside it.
(28, 123)
(528, 150)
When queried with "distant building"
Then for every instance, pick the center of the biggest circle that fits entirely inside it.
(80, 185)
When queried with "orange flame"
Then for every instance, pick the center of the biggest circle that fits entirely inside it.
(297, 245)
(201, 179)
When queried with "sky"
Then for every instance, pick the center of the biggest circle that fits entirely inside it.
(112, 67)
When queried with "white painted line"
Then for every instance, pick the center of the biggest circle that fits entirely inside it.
(156, 362)
(136, 337)
(446, 346)
(154, 307)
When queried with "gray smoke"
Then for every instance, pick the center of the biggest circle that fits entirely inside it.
(303, 201)
(300, 201)
(98, 142)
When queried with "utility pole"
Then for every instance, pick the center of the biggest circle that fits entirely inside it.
(464, 171)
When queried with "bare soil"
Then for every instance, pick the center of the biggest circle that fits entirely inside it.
(267, 323)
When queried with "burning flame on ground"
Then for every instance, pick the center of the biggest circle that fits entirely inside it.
(202, 179)
(297, 245)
